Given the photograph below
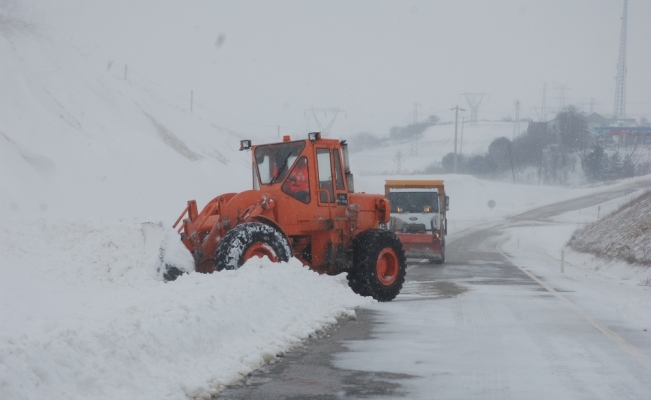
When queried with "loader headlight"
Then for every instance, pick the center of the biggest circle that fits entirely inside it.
(314, 136)
(245, 144)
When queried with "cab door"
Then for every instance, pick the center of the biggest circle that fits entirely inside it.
(332, 200)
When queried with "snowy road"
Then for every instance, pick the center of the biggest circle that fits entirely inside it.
(477, 327)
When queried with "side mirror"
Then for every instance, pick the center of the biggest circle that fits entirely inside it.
(447, 203)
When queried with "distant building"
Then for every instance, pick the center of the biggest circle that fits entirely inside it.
(624, 135)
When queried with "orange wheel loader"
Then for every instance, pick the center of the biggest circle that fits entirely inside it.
(302, 205)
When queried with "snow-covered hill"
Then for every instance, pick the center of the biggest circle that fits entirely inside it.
(76, 140)
(88, 161)
(625, 234)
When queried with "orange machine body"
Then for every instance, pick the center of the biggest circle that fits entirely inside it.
(302, 188)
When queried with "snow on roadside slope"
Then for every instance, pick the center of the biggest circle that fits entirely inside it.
(84, 315)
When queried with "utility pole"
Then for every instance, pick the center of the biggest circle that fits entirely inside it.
(620, 87)
(456, 123)
(543, 110)
(463, 120)
(414, 143)
(516, 126)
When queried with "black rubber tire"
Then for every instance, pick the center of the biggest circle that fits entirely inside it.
(233, 246)
(439, 261)
(362, 278)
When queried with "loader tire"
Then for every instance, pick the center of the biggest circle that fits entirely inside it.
(379, 265)
(248, 240)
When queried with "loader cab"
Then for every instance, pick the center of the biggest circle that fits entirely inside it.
(306, 169)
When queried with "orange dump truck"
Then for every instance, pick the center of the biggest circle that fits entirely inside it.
(418, 217)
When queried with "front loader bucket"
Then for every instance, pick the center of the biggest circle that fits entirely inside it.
(165, 252)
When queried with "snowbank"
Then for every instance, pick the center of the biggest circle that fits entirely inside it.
(625, 234)
(85, 314)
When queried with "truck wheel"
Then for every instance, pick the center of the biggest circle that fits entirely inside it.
(379, 265)
(248, 240)
(438, 260)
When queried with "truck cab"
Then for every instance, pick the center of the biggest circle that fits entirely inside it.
(418, 216)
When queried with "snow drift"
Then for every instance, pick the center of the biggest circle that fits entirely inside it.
(625, 234)
(85, 314)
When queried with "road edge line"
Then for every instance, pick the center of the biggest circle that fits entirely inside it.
(630, 349)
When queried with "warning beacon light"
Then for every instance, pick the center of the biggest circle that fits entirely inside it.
(245, 144)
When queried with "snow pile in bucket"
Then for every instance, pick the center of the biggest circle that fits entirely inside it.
(86, 314)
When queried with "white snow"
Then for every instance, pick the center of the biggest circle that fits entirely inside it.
(90, 164)
(85, 315)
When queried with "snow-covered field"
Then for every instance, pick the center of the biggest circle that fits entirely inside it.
(437, 141)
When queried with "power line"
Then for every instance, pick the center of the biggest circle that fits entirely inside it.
(335, 110)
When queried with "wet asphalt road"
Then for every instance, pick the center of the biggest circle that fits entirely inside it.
(308, 372)
(325, 367)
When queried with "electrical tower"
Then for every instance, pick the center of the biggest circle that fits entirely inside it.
(620, 86)
(474, 100)
(561, 97)
(591, 103)
(542, 115)
(415, 113)
(334, 111)
(516, 126)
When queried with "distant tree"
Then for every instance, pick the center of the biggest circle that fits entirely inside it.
(499, 154)
(433, 119)
(478, 165)
(409, 132)
(595, 164)
(572, 128)
(447, 162)
(615, 166)
(628, 166)
(365, 140)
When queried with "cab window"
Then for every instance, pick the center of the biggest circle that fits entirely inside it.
(338, 173)
(414, 202)
(274, 161)
(297, 184)
(325, 175)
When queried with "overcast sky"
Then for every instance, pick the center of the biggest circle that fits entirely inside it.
(374, 59)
